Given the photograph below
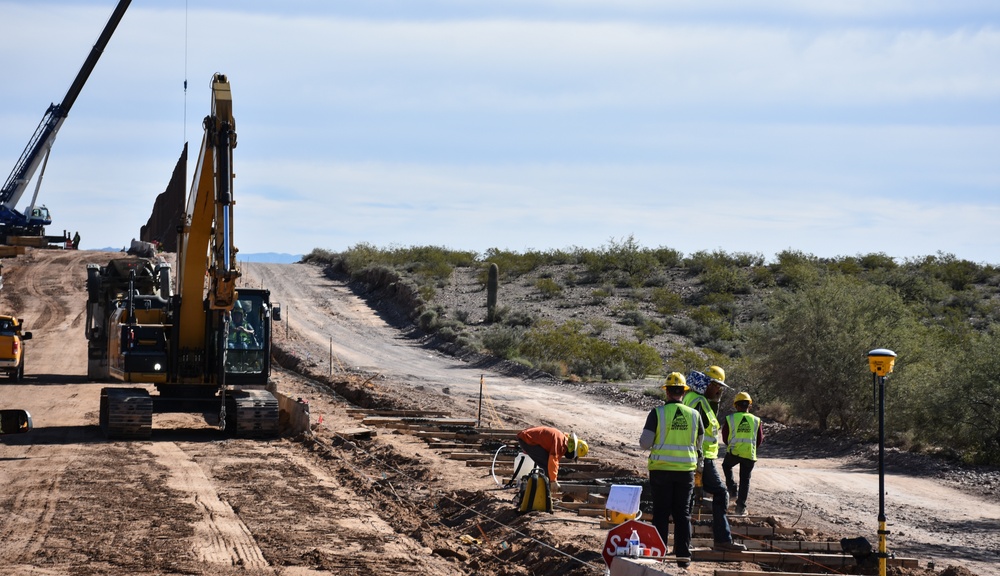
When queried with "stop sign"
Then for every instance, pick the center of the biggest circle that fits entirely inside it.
(619, 535)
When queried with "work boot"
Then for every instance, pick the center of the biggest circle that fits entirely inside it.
(733, 492)
(683, 561)
(741, 510)
(729, 547)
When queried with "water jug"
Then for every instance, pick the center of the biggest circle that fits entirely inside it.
(522, 465)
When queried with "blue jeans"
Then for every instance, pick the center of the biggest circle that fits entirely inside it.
(712, 483)
(672, 498)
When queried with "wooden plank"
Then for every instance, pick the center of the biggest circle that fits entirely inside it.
(398, 413)
(478, 455)
(32, 241)
(758, 573)
(582, 490)
(11, 251)
(417, 423)
(757, 532)
(448, 445)
(782, 559)
(796, 545)
(572, 505)
(357, 433)
(478, 435)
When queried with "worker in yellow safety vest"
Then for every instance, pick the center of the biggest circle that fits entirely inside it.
(673, 434)
(742, 433)
(705, 391)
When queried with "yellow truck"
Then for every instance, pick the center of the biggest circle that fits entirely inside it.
(12, 346)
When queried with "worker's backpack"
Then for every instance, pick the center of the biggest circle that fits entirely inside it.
(534, 493)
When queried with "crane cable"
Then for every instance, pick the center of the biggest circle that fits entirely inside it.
(184, 123)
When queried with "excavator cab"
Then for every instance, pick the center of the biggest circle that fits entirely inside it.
(248, 342)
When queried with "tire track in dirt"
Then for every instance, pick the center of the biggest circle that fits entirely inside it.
(28, 520)
(52, 311)
(220, 538)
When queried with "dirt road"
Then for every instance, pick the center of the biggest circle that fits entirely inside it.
(937, 523)
(191, 501)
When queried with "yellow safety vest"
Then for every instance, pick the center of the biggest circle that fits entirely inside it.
(710, 446)
(742, 439)
(674, 447)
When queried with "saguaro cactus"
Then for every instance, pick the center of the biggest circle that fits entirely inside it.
(492, 282)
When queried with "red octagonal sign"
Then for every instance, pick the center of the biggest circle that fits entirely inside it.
(619, 535)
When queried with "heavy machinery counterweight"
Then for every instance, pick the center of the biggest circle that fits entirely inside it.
(186, 344)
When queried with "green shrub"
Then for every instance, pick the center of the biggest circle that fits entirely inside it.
(548, 288)
(584, 355)
(623, 260)
(428, 320)
(798, 276)
(515, 318)
(703, 260)
(320, 256)
(668, 257)
(598, 326)
(725, 279)
(503, 341)
(666, 301)
(599, 295)
(648, 330)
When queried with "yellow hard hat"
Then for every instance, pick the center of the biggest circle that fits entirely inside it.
(716, 373)
(575, 447)
(742, 397)
(675, 379)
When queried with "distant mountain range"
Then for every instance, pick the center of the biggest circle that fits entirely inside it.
(269, 257)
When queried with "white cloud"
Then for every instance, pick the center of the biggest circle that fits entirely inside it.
(536, 125)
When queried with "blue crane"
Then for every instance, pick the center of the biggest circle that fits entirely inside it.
(36, 154)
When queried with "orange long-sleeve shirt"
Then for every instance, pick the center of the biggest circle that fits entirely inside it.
(552, 440)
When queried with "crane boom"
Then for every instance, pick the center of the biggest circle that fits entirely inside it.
(36, 153)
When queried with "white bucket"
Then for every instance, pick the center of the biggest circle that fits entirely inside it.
(522, 466)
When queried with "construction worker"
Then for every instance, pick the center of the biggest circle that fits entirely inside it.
(705, 389)
(546, 446)
(742, 433)
(241, 333)
(673, 434)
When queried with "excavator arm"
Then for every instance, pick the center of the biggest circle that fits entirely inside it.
(206, 252)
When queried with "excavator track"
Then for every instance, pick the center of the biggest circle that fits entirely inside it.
(255, 413)
(126, 413)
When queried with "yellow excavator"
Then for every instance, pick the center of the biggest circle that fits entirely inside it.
(206, 348)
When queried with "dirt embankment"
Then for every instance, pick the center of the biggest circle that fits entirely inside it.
(191, 501)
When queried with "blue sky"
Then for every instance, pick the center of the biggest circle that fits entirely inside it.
(830, 127)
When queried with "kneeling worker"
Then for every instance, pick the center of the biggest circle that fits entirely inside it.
(546, 446)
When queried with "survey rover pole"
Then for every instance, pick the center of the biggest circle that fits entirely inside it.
(880, 362)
